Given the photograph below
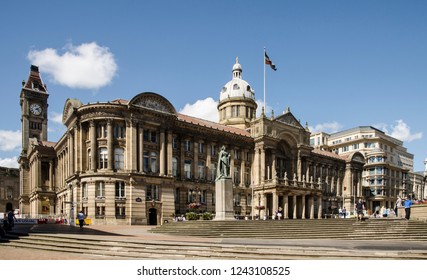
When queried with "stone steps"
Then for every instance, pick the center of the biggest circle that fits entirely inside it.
(301, 229)
(191, 250)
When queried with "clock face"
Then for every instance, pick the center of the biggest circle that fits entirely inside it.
(36, 109)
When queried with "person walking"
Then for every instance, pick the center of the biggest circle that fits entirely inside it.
(344, 212)
(397, 205)
(11, 219)
(407, 204)
(81, 218)
(359, 208)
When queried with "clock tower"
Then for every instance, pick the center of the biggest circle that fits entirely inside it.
(33, 101)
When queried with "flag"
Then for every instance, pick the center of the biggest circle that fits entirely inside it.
(269, 62)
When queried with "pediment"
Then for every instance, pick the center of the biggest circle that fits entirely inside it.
(153, 101)
(288, 118)
(69, 107)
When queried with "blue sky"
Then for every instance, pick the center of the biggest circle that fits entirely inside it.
(341, 64)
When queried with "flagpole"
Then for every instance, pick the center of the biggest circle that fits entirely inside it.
(264, 79)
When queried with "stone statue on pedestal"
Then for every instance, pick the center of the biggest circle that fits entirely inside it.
(223, 169)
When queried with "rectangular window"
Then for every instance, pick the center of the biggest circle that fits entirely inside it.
(119, 131)
(174, 143)
(152, 193)
(119, 158)
(99, 211)
(201, 170)
(146, 162)
(187, 145)
(146, 135)
(84, 190)
(100, 189)
(103, 158)
(153, 137)
(187, 169)
(249, 200)
(200, 148)
(120, 211)
(174, 167)
(120, 190)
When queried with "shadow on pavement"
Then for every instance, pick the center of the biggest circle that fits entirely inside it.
(20, 230)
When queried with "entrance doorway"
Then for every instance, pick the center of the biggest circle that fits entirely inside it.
(152, 216)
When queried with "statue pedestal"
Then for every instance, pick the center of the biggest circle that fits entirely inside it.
(224, 200)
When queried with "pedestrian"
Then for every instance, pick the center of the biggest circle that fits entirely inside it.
(398, 204)
(81, 218)
(11, 219)
(344, 212)
(407, 204)
(279, 213)
(359, 209)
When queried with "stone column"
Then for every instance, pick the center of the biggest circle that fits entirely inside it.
(311, 207)
(169, 153)
(275, 202)
(285, 206)
(110, 146)
(273, 167)
(256, 167)
(208, 161)
(294, 205)
(141, 148)
(195, 159)
(242, 168)
(319, 213)
(133, 147)
(303, 207)
(262, 165)
(162, 153)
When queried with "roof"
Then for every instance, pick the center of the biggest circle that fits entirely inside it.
(327, 154)
(213, 125)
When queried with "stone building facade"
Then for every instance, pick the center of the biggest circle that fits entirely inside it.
(9, 189)
(142, 162)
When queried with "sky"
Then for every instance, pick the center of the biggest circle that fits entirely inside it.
(340, 64)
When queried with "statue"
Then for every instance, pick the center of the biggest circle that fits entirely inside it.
(223, 169)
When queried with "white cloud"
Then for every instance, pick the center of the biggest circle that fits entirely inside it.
(87, 66)
(10, 140)
(9, 162)
(56, 117)
(402, 132)
(205, 109)
(267, 110)
(330, 127)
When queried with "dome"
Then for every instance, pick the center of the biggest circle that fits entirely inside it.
(237, 87)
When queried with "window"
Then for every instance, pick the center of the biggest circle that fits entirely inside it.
(99, 211)
(89, 160)
(174, 143)
(236, 199)
(249, 200)
(355, 146)
(174, 167)
(103, 158)
(236, 154)
(153, 162)
(176, 195)
(187, 169)
(119, 131)
(120, 211)
(119, 158)
(345, 149)
(236, 178)
(187, 145)
(150, 162)
(100, 189)
(201, 148)
(150, 136)
(203, 196)
(101, 131)
(84, 190)
(201, 170)
(213, 171)
(120, 190)
(213, 150)
(152, 193)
